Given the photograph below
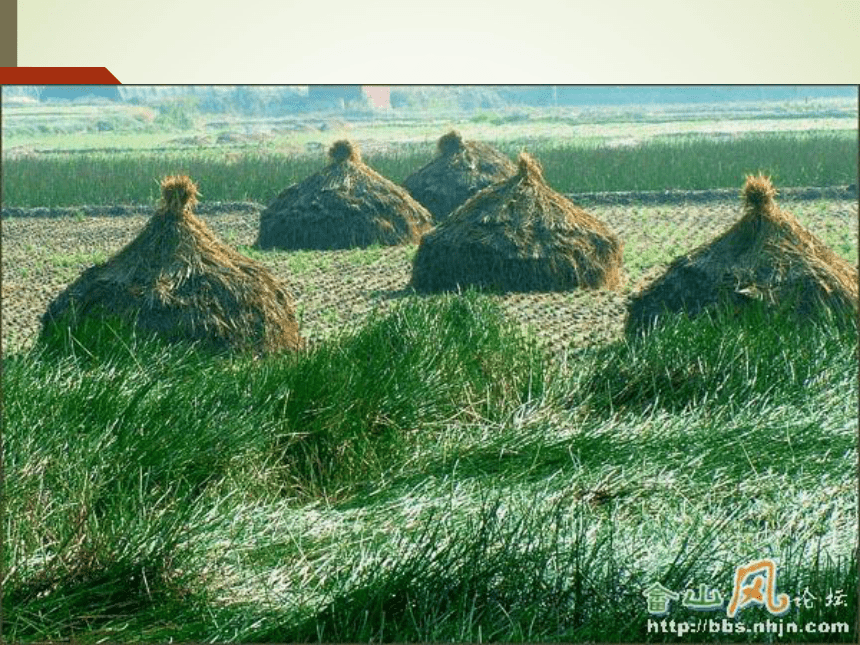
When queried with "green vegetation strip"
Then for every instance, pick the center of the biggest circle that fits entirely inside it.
(427, 476)
(686, 163)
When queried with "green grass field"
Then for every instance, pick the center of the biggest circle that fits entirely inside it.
(697, 162)
(428, 476)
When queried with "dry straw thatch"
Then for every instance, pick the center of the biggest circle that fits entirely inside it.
(766, 256)
(459, 171)
(518, 235)
(180, 281)
(345, 205)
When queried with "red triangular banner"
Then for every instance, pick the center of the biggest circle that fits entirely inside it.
(57, 76)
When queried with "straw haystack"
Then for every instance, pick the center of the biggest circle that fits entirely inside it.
(178, 280)
(766, 256)
(459, 171)
(518, 235)
(345, 205)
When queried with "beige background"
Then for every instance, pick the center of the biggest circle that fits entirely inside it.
(448, 41)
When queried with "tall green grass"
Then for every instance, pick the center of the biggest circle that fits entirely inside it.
(758, 359)
(816, 159)
(429, 475)
(696, 163)
(358, 402)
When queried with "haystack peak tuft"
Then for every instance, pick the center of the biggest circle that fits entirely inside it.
(344, 150)
(178, 193)
(529, 166)
(451, 143)
(758, 192)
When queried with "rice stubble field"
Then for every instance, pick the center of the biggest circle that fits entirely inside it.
(337, 289)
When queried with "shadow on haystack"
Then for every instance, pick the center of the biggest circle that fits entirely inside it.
(178, 281)
(460, 170)
(767, 257)
(519, 235)
(345, 205)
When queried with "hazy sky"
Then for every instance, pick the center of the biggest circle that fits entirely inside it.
(448, 41)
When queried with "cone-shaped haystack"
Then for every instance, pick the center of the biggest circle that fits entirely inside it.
(459, 171)
(178, 280)
(518, 235)
(766, 256)
(345, 205)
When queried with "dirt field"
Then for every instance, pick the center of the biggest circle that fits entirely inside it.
(42, 254)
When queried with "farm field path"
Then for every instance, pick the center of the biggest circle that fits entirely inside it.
(337, 289)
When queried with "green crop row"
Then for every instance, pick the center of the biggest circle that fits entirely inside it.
(699, 163)
(813, 159)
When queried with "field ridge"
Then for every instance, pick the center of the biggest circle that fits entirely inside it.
(623, 197)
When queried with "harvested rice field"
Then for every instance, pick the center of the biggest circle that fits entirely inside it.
(428, 476)
(336, 290)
